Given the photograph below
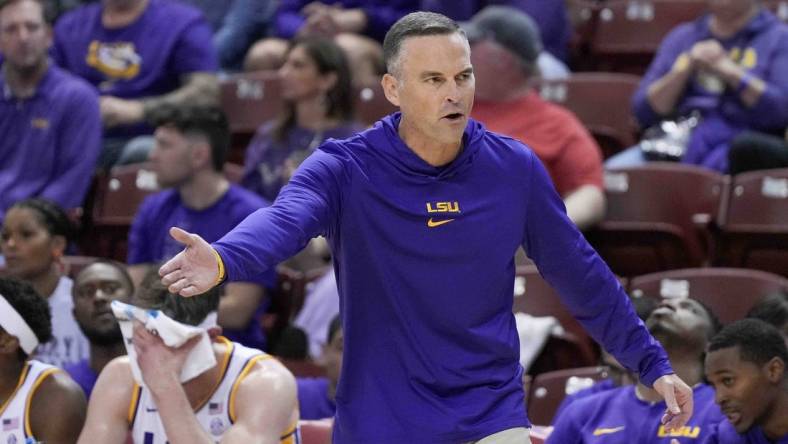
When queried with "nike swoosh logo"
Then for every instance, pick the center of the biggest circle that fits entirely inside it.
(603, 431)
(437, 223)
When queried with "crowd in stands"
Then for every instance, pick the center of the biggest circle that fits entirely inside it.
(91, 85)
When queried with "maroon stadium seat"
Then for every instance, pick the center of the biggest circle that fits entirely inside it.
(371, 104)
(729, 292)
(315, 431)
(627, 33)
(549, 389)
(754, 222)
(602, 103)
(778, 7)
(653, 216)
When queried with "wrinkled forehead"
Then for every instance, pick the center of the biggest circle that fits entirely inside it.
(22, 11)
(447, 53)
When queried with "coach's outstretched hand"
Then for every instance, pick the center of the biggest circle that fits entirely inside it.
(194, 270)
(678, 399)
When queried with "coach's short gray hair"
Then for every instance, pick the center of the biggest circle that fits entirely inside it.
(415, 24)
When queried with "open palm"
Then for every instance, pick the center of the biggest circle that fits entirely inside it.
(194, 270)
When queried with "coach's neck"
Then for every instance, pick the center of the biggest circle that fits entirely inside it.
(431, 150)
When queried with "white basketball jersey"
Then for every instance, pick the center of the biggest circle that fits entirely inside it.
(216, 414)
(14, 414)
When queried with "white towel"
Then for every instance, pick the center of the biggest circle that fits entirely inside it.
(534, 333)
(173, 333)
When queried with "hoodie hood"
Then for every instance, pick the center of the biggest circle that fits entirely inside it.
(383, 139)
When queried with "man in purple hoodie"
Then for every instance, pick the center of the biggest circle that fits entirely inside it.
(424, 213)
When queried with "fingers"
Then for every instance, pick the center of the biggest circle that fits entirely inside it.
(182, 236)
(184, 287)
(171, 277)
(670, 398)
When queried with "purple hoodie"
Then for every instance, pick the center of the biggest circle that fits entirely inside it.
(424, 258)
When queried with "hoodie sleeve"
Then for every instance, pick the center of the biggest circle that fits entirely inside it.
(587, 287)
(771, 110)
(309, 205)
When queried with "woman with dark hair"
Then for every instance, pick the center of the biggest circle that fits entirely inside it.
(33, 239)
(317, 87)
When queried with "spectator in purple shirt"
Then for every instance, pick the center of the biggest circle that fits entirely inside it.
(95, 287)
(316, 395)
(317, 91)
(191, 144)
(746, 365)
(50, 128)
(728, 66)
(140, 55)
(357, 25)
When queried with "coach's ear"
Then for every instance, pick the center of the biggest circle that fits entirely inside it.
(390, 88)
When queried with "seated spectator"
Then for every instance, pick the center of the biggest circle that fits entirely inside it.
(236, 25)
(95, 287)
(248, 397)
(504, 50)
(33, 239)
(746, 366)
(40, 402)
(727, 66)
(552, 18)
(773, 309)
(618, 375)
(633, 413)
(316, 88)
(316, 395)
(190, 150)
(358, 25)
(140, 55)
(752, 151)
(50, 127)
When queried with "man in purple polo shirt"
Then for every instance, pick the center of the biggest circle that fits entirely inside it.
(191, 144)
(746, 364)
(631, 414)
(140, 55)
(50, 128)
(424, 213)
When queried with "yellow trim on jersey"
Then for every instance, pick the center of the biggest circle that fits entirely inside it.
(33, 388)
(224, 366)
(22, 376)
(291, 435)
(135, 399)
(247, 368)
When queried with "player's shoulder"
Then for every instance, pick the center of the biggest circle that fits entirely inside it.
(245, 201)
(79, 17)
(160, 202)
(55, 389)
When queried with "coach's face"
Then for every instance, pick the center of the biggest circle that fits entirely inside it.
(433, 85)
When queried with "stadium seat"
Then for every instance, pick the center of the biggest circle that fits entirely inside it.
(316, 431)
(534, 296)
(249, 100)
(602, 103)
(627, 33)
(729, 292)
(117, 196)
(549, 389)
(656, 218)
(754, 222)
(371, 104)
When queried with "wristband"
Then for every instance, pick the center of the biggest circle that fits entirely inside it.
(220, 263)
(744, 82)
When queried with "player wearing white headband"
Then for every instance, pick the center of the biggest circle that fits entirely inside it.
(38, 402)
(246, 397)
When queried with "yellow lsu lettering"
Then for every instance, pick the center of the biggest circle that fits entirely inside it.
(684, 432)
(443, 207)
